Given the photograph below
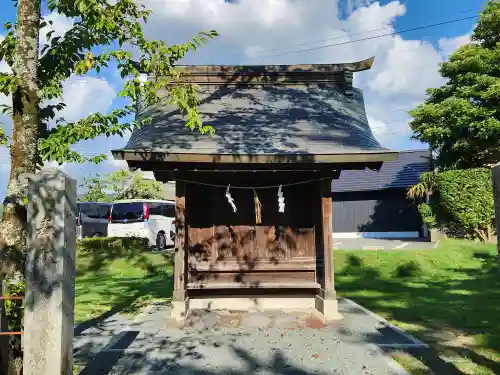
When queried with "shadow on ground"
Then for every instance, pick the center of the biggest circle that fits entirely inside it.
(180, 358)
(449, 299)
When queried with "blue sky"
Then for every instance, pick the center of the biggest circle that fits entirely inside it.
(404, 66)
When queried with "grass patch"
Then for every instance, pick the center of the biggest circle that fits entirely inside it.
(117, 276)
(448, 297)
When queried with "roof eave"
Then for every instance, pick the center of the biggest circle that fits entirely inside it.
(353, 67)
(153, 156)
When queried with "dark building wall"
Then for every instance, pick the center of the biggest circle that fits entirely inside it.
(385, 210)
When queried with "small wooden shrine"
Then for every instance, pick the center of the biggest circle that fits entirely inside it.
(253, 202)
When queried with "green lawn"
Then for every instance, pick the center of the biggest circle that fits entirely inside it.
(118, 279)
(448, 297)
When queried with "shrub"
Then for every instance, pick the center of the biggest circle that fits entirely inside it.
(467, 196)
(427, 215)
(14, 309)
(113, 243)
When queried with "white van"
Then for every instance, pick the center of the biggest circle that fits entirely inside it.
(151, 219)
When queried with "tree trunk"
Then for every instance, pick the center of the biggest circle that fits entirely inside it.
(25, 106)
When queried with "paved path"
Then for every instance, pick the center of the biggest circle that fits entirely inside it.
(382, 244)
(240, 343)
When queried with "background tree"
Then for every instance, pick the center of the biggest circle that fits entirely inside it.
(23, 84)
(121, 184)
(461, 119)
(133, 185)
(98, 25)
(95, 191)
(96, 40)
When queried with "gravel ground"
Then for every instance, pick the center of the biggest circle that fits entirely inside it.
(249, 343)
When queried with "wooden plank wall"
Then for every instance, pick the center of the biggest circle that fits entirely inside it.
(231, 249)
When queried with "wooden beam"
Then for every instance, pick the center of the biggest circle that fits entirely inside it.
(254, 285)
(170, 168)
(286, 158)
(296, 264)
(257, 179)
(180, 243)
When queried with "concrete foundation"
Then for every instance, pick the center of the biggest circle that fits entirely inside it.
(251, 304)
(327, 309)
(179, 309)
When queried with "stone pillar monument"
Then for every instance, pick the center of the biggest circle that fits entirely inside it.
(50, 275)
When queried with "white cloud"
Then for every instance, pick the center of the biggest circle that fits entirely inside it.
(375, 17)
(378, 126)
(60, 25)
(352, 5)
(86, 95)
(408, 67)
(449, 45)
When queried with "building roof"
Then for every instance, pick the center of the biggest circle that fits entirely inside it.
(402, 172)
(301, 113)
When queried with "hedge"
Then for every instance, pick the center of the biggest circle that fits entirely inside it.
(467, 196)
(113, 243)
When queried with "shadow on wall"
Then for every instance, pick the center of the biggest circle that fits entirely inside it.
(394, 210)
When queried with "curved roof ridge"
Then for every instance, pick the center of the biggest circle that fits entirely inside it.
(356, 66)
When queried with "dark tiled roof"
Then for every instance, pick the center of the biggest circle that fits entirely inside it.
(303, 114)
(400, 173)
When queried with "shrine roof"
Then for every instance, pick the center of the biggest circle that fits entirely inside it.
(277, 113)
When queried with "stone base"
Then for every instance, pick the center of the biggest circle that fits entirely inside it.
(179, 309)
(329, 308)
(252, 304)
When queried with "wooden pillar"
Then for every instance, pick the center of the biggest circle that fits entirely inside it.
(326, 300)
(179, 298)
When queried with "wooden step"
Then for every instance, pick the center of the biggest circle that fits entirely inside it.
(253, 284)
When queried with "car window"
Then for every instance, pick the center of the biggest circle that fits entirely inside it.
(127, 212)
(83, 208)
(96, 211)
(168, 210)
(154, 208)
(104, 211)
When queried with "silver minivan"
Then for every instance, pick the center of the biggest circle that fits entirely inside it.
(92, 219)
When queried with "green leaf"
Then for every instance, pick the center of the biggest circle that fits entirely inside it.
(3, 137)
